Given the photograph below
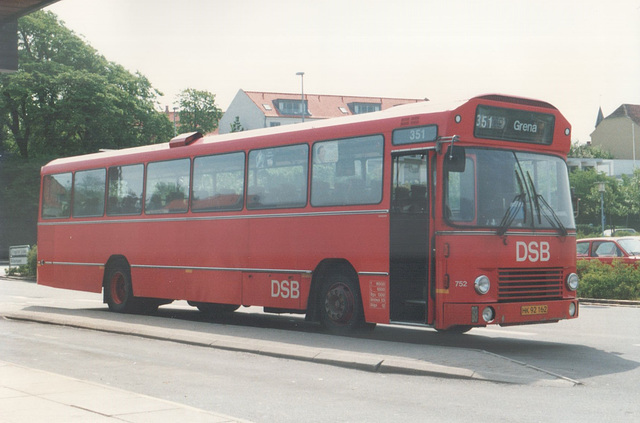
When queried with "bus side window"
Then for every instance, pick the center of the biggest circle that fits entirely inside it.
(218, 182)
(167, 189)
(88, 193)
(347, 171)
(278, 177)
(125, 190)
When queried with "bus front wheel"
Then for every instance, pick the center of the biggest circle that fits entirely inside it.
(340, 304)
(118, 289)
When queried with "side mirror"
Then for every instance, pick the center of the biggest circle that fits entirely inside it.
(455, 159)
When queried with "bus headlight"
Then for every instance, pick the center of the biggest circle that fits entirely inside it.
(572, 281)
(482, 284)
(572, 309)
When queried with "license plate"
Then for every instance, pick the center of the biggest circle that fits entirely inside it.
(530, 310)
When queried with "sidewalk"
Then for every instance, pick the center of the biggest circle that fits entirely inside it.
(30, 395)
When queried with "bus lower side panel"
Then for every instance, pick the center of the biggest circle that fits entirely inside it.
(268, 289)
(79, 277)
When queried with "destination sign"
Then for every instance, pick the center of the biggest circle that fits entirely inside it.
(514, 125)
(415, 135)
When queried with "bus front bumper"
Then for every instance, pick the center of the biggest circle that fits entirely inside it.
(507, 314)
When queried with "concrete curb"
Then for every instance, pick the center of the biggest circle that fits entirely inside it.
(360, 361)
(629, 303)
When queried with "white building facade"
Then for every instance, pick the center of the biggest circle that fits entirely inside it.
(255, 109)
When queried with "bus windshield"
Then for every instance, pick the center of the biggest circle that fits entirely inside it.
(509, 189)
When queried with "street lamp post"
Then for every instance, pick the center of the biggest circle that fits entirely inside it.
(175, 128)
(601, 188)
(301, 75)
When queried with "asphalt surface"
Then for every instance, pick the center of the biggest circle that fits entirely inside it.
(30, 394)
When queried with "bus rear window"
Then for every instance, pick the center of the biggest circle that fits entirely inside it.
(56, 196)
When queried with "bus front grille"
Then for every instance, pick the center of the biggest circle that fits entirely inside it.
(539, 284)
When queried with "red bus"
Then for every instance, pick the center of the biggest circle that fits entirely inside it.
(449, 217)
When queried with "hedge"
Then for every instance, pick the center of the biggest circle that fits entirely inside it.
(618, 281)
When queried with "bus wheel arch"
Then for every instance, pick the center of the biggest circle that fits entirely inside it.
(335, 299)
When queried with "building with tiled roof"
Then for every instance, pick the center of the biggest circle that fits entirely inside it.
(619, 132)
(253, 109)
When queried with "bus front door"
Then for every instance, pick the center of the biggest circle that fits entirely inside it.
(409, 239)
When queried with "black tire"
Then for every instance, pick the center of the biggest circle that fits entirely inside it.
(340, 304)
(118, 291)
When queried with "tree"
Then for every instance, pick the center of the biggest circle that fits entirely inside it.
(588, 151)
(236, 126)
(621, 198)
(630, 190)
(198, 111)
(66, 99)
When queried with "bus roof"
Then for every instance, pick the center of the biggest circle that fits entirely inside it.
(403, 110)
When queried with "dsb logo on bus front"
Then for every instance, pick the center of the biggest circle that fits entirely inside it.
(532, 251)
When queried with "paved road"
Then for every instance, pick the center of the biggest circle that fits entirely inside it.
(595, 358)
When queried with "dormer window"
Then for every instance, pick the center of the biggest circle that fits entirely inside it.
(359, 108)
(291, 107)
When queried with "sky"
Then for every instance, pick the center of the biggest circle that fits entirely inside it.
(577, 55)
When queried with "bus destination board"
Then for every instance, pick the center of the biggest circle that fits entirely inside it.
(513, 125)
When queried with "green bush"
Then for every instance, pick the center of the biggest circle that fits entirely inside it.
(32, 261)
(618, 281)
(587, 231)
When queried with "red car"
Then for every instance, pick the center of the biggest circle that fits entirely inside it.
(607, 249)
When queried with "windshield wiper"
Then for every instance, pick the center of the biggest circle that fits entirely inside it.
(517, 204)
(551, 216)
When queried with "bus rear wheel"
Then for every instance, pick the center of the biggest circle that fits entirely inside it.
(340, 304)
(118, 289)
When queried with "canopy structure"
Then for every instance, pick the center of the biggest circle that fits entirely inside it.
(10, 11)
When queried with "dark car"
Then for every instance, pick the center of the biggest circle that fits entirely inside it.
(625, 249)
